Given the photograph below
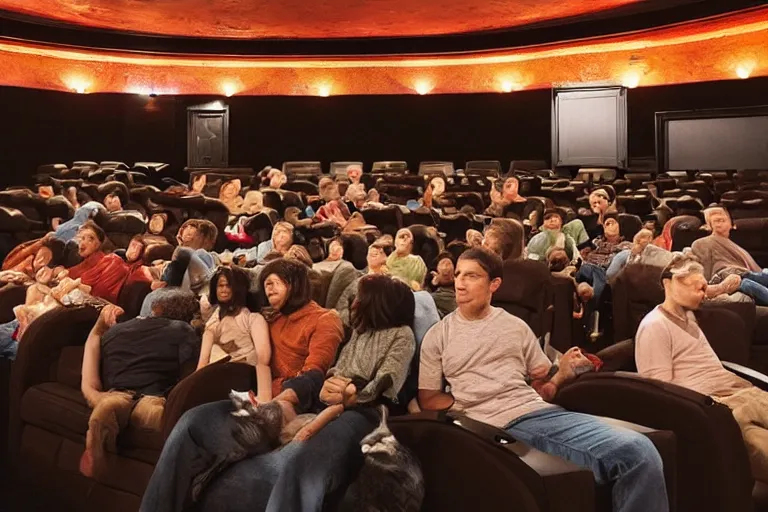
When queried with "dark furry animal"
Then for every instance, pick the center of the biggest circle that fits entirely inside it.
(390, 480)
(255, 428)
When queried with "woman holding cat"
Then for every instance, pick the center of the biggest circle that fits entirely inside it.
(234, 331)
(305, 338)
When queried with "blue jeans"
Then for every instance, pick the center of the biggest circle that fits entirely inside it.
(294, 478)
(755, 284)
(595, 276)
(626, 458)
(8, 346)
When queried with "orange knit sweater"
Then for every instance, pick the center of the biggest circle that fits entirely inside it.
(305, 340)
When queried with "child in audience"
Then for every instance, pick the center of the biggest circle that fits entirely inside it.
(401, 263)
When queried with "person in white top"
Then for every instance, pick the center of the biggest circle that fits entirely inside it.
(234, 331)
(488, 356)
(670, 346)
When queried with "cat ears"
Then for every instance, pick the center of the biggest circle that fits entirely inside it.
(252, 398)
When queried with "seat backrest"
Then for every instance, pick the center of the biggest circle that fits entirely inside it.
(290, 168)
(388, 219)
(396, 166)
(636, 291)
(525, 292)
(437, 167)
(483, 168)
(340, 168)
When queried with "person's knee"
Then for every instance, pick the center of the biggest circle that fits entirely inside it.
(638, 452)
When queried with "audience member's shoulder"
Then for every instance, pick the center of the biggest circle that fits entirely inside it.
(501, 316)
(654, 319)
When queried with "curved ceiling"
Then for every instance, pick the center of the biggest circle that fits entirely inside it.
(304, 19)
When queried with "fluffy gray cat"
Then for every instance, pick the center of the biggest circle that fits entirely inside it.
(390, 479)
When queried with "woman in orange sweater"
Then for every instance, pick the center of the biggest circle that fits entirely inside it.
(305, 338)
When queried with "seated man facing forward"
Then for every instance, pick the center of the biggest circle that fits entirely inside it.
(487, 356)
(671, 347)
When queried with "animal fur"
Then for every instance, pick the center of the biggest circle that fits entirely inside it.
(390, 480)
(255, 428)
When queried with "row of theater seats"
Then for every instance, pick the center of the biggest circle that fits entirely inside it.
(468, 465)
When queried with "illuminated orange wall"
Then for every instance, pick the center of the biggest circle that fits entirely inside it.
(704, 51)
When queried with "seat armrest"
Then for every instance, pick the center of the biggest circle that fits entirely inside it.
(758, 379)
(209, 384)
(484, 430)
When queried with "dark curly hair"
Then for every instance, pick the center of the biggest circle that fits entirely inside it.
(239, 282)
(177, 305)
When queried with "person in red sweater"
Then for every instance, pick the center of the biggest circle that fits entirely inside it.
(104, 273)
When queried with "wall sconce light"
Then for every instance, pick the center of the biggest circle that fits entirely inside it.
(744, 70)
(229, 89)
(631, 79)
(423, 87)
(324, 90)
(77, 83)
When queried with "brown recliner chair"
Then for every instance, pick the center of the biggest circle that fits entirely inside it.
(558, 485)
(49, 419)
(526, 292)
(713, 471)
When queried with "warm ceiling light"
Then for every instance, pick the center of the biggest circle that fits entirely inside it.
(745, 69)
(78, 84)
(631, 79)
(423, 87)
(510, 85)
(324, 90)
(229, 89)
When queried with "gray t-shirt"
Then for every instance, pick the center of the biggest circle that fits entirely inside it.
(486, 363)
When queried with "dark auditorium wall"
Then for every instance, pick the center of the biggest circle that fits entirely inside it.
(49, 127)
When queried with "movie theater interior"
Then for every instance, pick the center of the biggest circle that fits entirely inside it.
(384, 255)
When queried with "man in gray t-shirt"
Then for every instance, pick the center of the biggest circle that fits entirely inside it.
(486, 356)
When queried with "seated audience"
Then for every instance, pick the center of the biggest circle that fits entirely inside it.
(506, 238)
(373, 365)
(601, 204)
(643, 252)
(487, 357)
(305, 338)
(281, 241)
(552, 235)
(441, 284)
(727, 266)
(128, 369)
(335, 256)
(593, 271)
(401, 263)
(104, 273)
(233, 331)
(229, 194)
(334, 210)
(113, 203)
(670, 346)
(28, 258)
